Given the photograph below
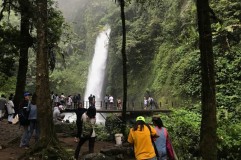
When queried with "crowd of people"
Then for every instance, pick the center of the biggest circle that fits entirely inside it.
(149, 103)
(25, 114)
(109, 102)
(151, 142)
(70, 101)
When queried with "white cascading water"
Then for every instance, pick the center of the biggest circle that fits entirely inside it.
(96, 75)
(97, 68)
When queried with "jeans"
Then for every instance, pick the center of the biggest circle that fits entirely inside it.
(79, 129)
(81, 142)
(24, 136)
(33, 126)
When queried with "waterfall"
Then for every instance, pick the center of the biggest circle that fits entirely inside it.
(96, 75)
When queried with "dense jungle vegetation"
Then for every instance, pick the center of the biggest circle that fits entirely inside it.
(163, 61)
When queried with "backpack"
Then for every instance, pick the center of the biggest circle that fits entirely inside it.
(153, 143)
(87, 128)
(23, 116)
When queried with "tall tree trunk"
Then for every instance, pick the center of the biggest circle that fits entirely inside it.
(208, 135)
(124, 59)
(25, 43)
(47, 134)
(48, 144)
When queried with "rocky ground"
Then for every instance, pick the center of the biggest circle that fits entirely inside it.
(10, 139)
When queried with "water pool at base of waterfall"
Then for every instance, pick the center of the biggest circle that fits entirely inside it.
(71, 117)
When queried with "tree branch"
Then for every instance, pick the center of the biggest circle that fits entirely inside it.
(6, 7)
(213, 16)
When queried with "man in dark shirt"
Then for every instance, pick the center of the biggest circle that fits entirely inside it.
(3, 103)
(90, 100)
(79, 112)
(24, 109)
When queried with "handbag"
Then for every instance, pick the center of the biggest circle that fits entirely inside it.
(15, 119)
(170, 150)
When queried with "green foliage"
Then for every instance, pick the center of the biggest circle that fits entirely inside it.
(7, 85)
(9, 37)
(103, 134)
(163, 59)
(227, 53)
(113, 125)
(163, 54)
(71, 79)
(9, 44)
(229, 135)
(183, 127)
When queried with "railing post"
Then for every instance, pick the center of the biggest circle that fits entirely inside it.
(160, 104)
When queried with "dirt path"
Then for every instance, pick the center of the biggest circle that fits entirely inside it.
(9, 141)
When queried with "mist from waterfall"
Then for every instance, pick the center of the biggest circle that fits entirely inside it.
(96, 75)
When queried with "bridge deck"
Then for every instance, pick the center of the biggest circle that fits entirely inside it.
(136, 110)
(128, 111)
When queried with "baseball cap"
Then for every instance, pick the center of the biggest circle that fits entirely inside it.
(140, 118)
(27, 94)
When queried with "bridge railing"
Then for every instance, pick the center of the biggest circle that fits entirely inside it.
(131, 105)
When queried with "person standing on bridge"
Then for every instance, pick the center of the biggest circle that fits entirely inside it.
(78, 98)
(151, 102)
(106, 100)
(69, 102)
(90, 98)
(93, 101)
(111, 101)
(119, 104)
(145, 103)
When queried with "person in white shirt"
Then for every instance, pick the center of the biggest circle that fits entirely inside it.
(111, 100)
(145, 103)
(11, 111)
(62, 99)
(69, 102)
(57, 115)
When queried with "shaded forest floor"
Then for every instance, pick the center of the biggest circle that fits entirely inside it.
(10, 139)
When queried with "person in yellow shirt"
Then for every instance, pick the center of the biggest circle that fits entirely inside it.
(140, 137)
